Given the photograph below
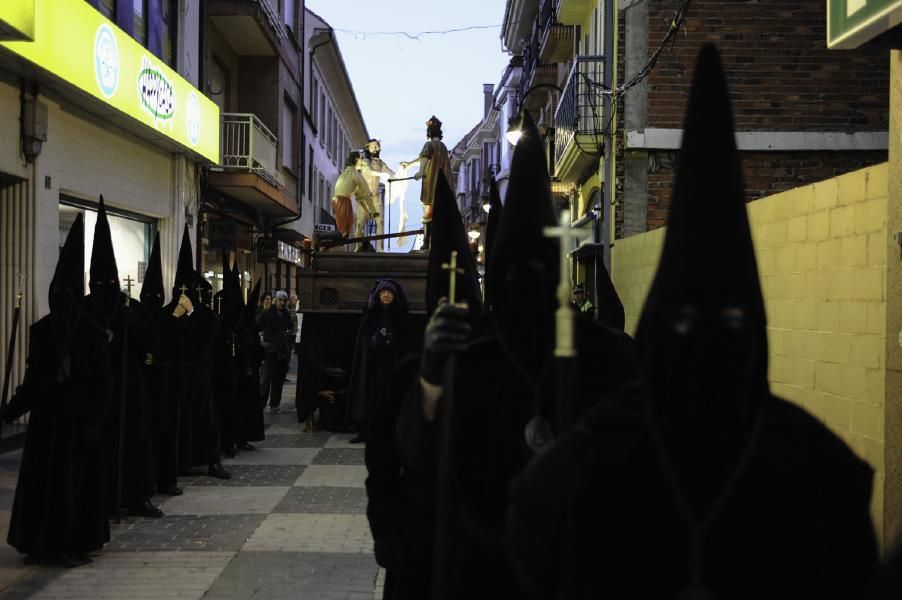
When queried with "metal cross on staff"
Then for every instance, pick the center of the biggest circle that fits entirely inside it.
(219, 305)
(453, 272)
(567, 236)
(129, 282)
(183, 288)
(200, 294)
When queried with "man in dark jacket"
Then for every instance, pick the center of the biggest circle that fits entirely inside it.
(275, 325)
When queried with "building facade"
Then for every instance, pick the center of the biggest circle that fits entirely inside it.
(254, 71)
(333, 122)
(802, 113)
(475, 161)
(101, 99)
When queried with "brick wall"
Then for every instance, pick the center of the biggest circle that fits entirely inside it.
(766, 174)
(781, 78)
(780, 71)
(821, 252)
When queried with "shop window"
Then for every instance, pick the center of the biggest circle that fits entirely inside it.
(140, 22)
(107, 8)
(170, 32)
(132, 238)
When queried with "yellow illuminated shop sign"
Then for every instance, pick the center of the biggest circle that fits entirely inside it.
(78, 44)
(17, 19)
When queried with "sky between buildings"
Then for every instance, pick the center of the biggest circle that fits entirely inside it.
(401, 82)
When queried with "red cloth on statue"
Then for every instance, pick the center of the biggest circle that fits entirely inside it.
(344, 214)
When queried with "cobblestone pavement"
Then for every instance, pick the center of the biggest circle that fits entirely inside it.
(289, 524)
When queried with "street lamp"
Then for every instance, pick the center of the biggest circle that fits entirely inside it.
(515, 124)
(474, 234)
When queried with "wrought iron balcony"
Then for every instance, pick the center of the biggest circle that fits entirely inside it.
(248, 145)
(579, 113)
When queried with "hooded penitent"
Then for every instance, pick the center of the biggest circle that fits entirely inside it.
(184, 272)
(448, 235)
(704, 479)
(152, 289)
(524, 263)
(104, 276)
(67, 290)
(702, 334)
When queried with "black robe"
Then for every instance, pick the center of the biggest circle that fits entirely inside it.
(139, 476)
(401, 498)
(224, 351)
(164, 392)
(383, 338)
(192, 338)
(60, 502)
(250, 426)
(493, 402)
(596, 515)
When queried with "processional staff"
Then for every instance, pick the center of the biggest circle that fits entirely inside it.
(446, 433)
(123, 387)
(565, 346)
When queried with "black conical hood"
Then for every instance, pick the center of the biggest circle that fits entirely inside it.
(448, 235)
(67, 288)
(608, 304)
(524, 266)
(491, 233)
(69, 276)
(184, 272)
(152, 289)
(707, 269)
(103, 257)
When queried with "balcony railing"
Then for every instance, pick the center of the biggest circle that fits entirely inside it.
(271, 11)
(580, 109)
(248, 145)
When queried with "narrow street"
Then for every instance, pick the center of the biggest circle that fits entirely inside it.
(290, 523)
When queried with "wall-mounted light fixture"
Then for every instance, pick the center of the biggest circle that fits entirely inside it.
(515, 124)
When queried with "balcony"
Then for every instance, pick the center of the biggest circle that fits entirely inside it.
(575, 12)
(557, 43)
(248, 169)
(579, 120)
(555, 39)
(251, 27)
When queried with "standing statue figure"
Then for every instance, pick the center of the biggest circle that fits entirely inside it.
(372, 168)
(434, 158)
(350, 183)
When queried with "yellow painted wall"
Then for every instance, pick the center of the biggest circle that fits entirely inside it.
(822, 253)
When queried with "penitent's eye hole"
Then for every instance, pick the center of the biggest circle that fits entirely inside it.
(733, 317)
(684, 320)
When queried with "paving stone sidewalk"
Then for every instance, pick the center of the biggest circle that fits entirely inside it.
(289, 524)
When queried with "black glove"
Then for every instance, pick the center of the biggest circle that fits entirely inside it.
(446, 332)
(388, 552)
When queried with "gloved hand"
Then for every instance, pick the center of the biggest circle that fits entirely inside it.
(388, 552)
(446, 332)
